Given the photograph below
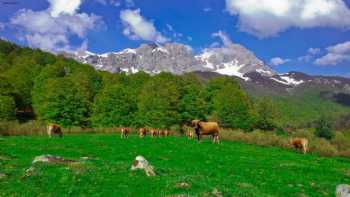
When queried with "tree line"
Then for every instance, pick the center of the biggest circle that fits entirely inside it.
(69, 93)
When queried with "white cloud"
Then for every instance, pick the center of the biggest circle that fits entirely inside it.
(335, 54)
(311, 52)
(58, 7)
(265, 18)
(314, 51)
(136, 27)
(225, 39)
(305, 58)
(50, 30)
(278, 61)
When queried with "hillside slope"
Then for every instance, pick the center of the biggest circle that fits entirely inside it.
(301, 103)
(233, 169)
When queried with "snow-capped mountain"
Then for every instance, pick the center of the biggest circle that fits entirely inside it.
(151, 58)
(233, 60)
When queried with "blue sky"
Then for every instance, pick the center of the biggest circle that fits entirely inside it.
(311, 36)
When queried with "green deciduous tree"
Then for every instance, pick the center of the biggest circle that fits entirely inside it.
(324, 128)
(57, 99)
(114, 106)
(63, 104)
(214, 86)
(266, 114)
(233, 107)
(158, 102)
(22, 77)
(192, 102)
(7, 108)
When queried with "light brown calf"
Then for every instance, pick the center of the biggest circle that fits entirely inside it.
(142, 132)
(166, 133)
(154, 132)
(54, 129)
(124, 132)
(299, 144)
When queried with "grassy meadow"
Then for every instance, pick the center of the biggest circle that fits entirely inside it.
(227, 169)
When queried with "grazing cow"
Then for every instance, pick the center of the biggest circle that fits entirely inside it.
(154, 132)
(206, 128)
(54, 129)
(189, 134)
(161, 133)
(299, 143)
(124, 132)
(166, 133)
(142, 132)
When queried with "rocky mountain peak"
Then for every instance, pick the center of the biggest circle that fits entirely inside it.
(233, 60)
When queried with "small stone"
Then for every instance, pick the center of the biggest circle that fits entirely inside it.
(29, 171)
(343, 190)
(52, 159)
(3, 175)
(183, 185)
(216, 193)
(2, 157)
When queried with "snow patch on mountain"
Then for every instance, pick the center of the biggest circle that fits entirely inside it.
(292, 81)
(261, 71)
(160, 49)
(287, 79)
(232, 69)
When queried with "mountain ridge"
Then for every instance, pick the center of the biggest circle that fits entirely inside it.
(231, 59)
(176, 58)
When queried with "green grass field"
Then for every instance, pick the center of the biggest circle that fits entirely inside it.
(234, 169)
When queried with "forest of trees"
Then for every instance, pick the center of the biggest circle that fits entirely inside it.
(69, 93)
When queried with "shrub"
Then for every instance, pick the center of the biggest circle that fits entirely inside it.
(266, 114)
(7, 108)
(341, 142)
(324, 128)
(175, 127)
(323, 147)
(28, 128)
(281, 132)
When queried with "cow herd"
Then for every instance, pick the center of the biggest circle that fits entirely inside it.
(200, 128)
(124, 132)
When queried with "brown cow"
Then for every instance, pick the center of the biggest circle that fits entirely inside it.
(124, 132)
(299, 143)
(54, 129)
(166, 132)
(154, 132)
(161, 133)
(142, 132)
(206, 128)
